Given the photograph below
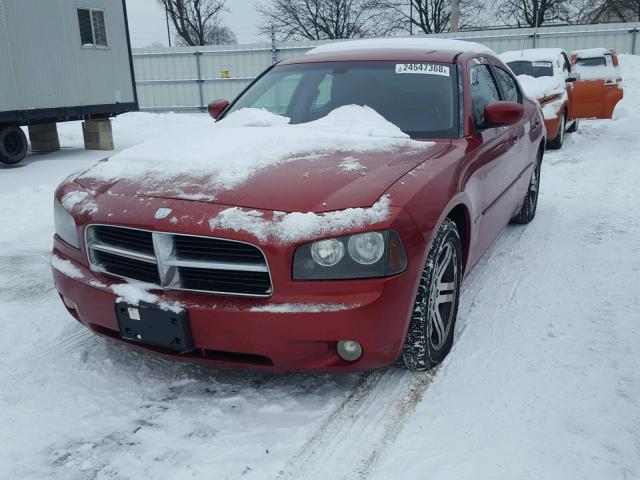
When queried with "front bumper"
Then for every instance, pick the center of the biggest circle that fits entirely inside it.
(300, 334)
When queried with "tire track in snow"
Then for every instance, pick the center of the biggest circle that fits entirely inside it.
(349, 443)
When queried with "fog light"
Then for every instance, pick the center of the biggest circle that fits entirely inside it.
(69, 303)
(349, 350)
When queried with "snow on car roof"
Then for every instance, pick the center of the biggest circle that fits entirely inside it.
(591, 52)
(419, 44)
(532, 55)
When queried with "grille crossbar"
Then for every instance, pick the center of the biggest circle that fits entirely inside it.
(179, 262)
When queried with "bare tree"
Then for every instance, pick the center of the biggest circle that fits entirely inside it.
(533, 13)
(324, 19)
(433, 16)
(197, 22)
(617, 11)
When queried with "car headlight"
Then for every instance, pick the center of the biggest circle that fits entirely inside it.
(65, 225)
(364, 255)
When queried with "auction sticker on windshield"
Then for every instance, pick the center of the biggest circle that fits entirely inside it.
(423, 68)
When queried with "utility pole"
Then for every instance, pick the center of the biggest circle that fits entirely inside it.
(166, 17)
(455, 15)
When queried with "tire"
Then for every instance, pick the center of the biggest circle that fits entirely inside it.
(574, 127)
(13, 145)
(428, 340)
(556, 143)
(530, 204)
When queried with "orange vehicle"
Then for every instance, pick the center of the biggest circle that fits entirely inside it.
(585, 85)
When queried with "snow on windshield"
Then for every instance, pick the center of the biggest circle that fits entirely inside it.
(229, 152)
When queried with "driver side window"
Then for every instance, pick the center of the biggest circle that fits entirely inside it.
(483, 91)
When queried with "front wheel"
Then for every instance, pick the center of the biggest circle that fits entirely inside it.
(528, 210)
(13, 145)
(556, 143)
(430, 335)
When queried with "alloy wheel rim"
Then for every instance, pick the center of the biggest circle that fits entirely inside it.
(443, 296)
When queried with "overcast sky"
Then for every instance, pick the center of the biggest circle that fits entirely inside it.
(147, 22)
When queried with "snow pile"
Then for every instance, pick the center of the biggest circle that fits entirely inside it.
(292, 227)
(228, 153)
(134, 293)
(303, 307)
(544, 87)
(591, 52)
(162, 213)
(79, 200)
(420, 44)
(351, 164)
(66, 267)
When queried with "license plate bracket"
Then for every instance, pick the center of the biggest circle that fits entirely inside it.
(150, 325)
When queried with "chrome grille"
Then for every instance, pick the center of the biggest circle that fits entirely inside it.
(179, 262)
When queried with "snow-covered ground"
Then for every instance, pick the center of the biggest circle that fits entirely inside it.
(543, 381)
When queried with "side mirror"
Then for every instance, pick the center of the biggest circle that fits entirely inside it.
(216, 108)
(573, 77)
(497, 114)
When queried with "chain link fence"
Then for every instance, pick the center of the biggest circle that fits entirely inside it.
(188, 78)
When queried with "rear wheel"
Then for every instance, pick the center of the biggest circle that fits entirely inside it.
(430, 335)
(556, 143)
(13, 145)
(528, 210)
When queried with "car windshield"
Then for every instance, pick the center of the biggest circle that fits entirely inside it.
(420, 98)
(533, 69)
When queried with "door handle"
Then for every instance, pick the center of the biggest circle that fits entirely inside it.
(610, 84)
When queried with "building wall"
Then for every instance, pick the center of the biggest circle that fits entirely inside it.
(44, 65)
(188, 78)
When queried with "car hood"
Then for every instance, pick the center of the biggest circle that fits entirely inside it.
(313, 183)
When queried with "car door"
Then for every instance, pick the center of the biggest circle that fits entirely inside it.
(598, 87)
(495, 156)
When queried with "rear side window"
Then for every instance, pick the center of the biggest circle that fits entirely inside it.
(483, 91)
(591, 62)
(93, 30)
(508, 85)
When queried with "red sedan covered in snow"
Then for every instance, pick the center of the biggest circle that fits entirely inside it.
(325, 222)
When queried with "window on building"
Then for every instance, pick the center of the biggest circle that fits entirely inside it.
(93, 31)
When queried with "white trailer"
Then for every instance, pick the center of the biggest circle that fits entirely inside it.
(61, 60)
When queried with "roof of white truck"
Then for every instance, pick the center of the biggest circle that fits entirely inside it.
(532, 55)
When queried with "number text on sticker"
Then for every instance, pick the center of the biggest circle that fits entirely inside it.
(423, 68)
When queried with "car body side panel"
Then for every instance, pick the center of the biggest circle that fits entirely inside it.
(597, 97)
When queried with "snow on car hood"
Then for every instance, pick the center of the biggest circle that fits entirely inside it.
(256, 159)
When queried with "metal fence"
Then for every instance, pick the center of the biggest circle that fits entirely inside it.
(188, 78)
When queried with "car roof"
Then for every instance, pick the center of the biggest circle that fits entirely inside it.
(398, 49)
(532, 55)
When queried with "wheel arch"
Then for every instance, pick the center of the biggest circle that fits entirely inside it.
(460, 215)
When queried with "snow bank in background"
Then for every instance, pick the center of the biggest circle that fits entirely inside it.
(228, 153)
(66, 267)
(303, 307)
(291, 227)
(420, 44)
